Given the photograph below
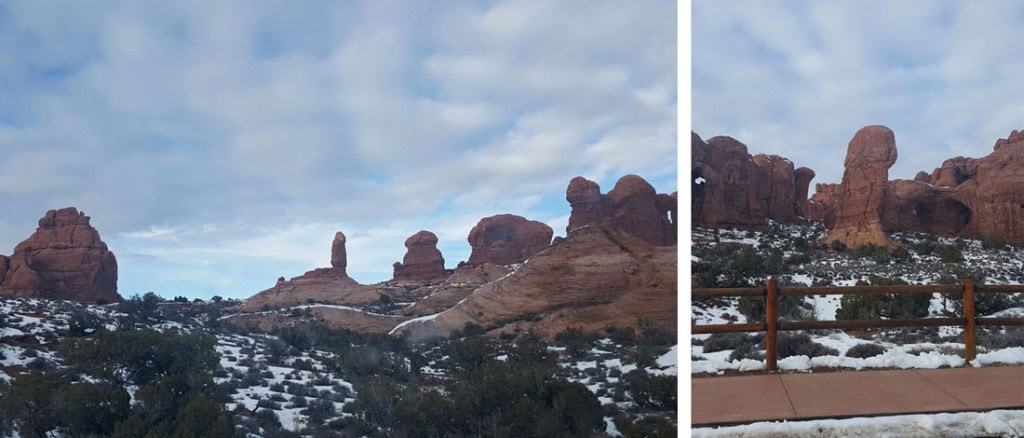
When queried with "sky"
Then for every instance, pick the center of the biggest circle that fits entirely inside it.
(219, 145)
(799, 78)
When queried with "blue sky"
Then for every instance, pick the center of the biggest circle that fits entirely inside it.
(799, 78)
(218, 146)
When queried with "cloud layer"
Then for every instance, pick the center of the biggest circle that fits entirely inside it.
(219, 146)
(798, 78)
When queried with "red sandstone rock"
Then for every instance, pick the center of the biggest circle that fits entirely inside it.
(587, 203)
(63, 259)
(5, 264)
(598, 276)
(339, 259)
(632, 206)
(506, 239)
(802, 182)
(981, 198)
(422, 261)
(732, 189)
(858, 217)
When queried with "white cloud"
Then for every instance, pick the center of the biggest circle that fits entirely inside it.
(799, 80)
(199, 136)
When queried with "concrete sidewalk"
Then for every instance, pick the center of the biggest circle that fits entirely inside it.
(746, 399)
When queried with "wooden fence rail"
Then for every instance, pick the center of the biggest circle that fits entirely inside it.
(771, 293)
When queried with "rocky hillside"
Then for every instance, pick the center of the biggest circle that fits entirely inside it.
(152, 366)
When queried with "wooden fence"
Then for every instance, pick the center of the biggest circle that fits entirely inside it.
(771, 292)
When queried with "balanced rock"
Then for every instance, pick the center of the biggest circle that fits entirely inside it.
(339, 260)
(632, 206)
(422, 261)
(64, 259)
(732, 189)
(506, 239)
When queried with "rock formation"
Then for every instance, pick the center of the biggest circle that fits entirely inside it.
(732, 189)
(632, 206)
(967, 197)
(322, 285)
(422, 261)
(861, 195)
(63, 259)
(506, 239)
(596, 277)
(339, 259)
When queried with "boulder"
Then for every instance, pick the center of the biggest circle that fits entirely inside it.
(422, 261)
(64, 259)
(507, 239)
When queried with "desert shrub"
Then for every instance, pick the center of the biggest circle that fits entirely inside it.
(82, 323)
(788, 307)
(798, 258)
(298, 402)
(892, 306)
(800, 344)
(576, 341)
(949, 253)
(1014, 337)
(654, 392)
(319, 410)
(995, 244)
(730, 341)
(746, 351)
(865, 350)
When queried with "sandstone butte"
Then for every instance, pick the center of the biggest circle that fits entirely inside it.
(507, 239)
(422, 261)
(63, 259)
(966, 197)
(732, 189)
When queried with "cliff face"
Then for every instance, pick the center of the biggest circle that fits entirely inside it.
(64, 259)
(732, 189)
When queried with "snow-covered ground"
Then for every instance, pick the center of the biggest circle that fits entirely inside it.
(998, 265)
(1007, 423)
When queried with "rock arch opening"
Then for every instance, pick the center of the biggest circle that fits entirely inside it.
(942, 216)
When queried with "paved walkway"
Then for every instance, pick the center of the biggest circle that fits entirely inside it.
(746, 399)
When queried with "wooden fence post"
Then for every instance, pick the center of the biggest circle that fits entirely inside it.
(970, 337)
(771, 321)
